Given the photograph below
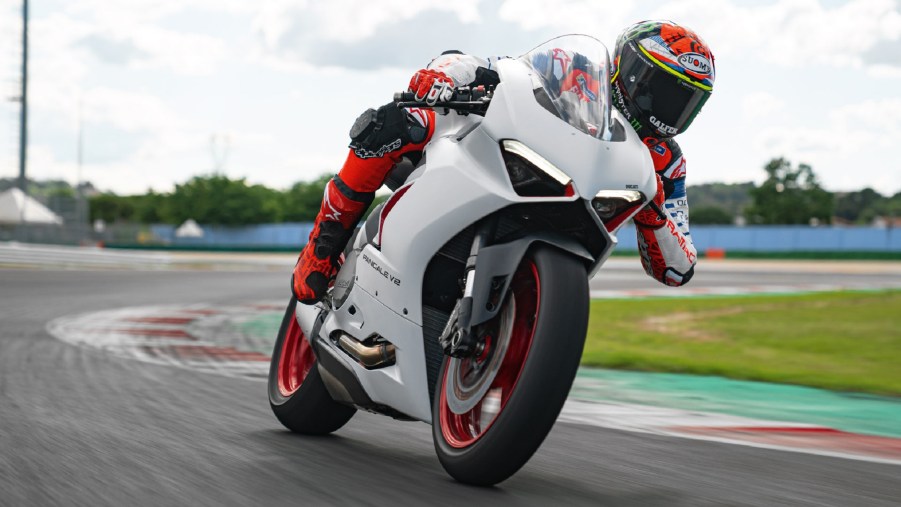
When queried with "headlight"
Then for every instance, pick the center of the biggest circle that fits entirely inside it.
(532, 175)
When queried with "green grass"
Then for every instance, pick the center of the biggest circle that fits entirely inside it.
(843, 340)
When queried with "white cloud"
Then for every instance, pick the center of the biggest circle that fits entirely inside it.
(791, 32)
(184, 53)
(135, 65)
(130, 111)
(884, 71)
(347, 20)
(136, 24)
(880, 119)
(140, 12)
(849, 150)
(781, 33)
(573, 16)
(761, 105)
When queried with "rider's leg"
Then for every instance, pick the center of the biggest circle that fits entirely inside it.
(378, 140)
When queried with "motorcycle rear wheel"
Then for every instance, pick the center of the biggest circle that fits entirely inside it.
(297, 394)
(540, 335)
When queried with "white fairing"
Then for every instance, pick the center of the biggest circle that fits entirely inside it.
(593, 164)
(463, 181)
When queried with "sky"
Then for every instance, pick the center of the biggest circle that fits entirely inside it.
(267, 90)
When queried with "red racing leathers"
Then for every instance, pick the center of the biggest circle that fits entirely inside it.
(667, 252)
(379, 138)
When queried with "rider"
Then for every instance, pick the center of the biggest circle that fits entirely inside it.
(663, 74)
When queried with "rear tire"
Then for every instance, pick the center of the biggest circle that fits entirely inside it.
(297, 394)
(494, 439)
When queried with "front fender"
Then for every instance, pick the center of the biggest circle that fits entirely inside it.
(496, 264)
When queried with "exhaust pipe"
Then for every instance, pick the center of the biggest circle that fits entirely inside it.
(370, 357)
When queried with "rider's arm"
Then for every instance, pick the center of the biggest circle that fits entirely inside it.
(667, 252)
(466, 70)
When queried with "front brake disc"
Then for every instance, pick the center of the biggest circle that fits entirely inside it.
(466, 386)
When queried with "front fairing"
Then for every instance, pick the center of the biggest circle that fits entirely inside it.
(611, 158)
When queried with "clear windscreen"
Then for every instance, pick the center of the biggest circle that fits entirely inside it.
(571, 80)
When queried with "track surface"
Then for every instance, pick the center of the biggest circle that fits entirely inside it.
(78, 426)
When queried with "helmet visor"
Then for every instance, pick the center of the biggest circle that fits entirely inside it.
(666, 101)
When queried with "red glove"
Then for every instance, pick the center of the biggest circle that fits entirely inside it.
(431, 86)
(648, 216)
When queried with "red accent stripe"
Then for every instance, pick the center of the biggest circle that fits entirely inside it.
(204, 351)
(161, 320)
(389, 205)
(612, 223)
(767, 429)
(154, 332)
(200, 312)
(814, 437)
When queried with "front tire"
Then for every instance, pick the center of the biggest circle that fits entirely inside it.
(297, 394)
(540, 333)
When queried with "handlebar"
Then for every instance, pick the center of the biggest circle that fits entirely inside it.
(464, 100)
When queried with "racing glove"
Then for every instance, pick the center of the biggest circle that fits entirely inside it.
(431, 86)
(648, 217)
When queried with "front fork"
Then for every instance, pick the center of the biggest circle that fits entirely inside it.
(458, 338)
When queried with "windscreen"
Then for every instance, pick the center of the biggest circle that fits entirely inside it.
(571, 80)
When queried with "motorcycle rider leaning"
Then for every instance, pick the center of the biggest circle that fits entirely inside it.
(663, 75)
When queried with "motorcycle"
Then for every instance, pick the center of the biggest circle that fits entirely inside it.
(462, 300)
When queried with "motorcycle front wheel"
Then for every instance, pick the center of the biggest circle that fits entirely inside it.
(297, 394)
(492, 411)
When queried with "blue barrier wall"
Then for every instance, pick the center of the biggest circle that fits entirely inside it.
(784, 238)
(263, 235)
(776, 238)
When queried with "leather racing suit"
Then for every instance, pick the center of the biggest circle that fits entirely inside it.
(379, 138)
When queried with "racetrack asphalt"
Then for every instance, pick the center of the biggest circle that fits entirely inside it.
(81, 427)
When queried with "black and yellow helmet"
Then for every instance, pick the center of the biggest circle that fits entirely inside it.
(663, 74)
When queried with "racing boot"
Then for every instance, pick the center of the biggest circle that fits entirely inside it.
(318, 262)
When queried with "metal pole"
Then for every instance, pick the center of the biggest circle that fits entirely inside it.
(23, 123)
(80, 208)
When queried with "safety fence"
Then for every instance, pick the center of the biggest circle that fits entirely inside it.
(783, 238)
(747, 239)
(290, 236)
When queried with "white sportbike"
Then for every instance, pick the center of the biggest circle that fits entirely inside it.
(463, 300)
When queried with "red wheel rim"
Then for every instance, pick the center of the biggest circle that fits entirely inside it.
(296, 360)
(463, 430)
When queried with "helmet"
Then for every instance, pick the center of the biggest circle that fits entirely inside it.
(662, 75)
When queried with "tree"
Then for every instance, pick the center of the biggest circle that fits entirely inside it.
(150, 208)
(219, 200)
(789, 196)
(710, 215)
(731, 197)
(302, 201)
(856, 206)
(110, 208)
(888, 207)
